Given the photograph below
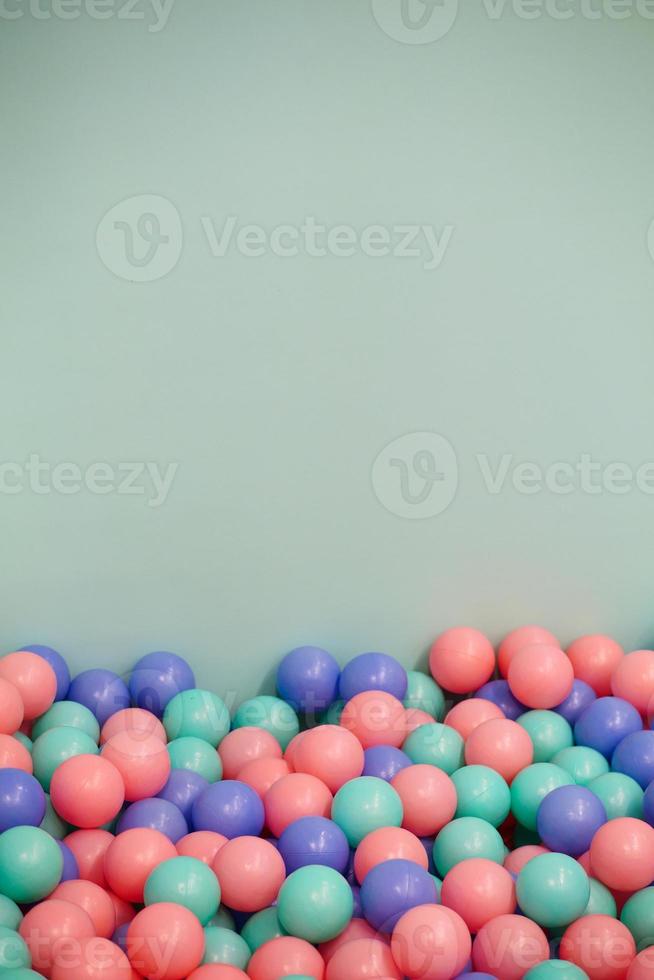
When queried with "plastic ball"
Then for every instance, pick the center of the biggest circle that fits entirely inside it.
(225, 946)
(135, 721)
(170, 927)
(22, 801)
(531, 786)
(95, 901)
(182, 788)
(157, 815)
(70, 871)
(604, 724)
(292, 797)
(621, 795)
(201, 844)
(196, 755)
(540, 676)
(362, 958)
(14, 954)
(271, 714)
(307, 678)
(583, 764)
(261, 928)
(30, 864)
(373, 672)
(363, 805)
(423, 693)
(313, 840)
(555, 970)
(156, 678)
(515, 860)
(374, 718)
(14, 755)
(384, 762)
(87, 790)
(461, 659)
(437, 745)
(601, 901)
(501, 745)
(89, 848)
(553, 890)
(58, 664)
(499, 693)
(638, 916)
(141, 760)
(284, 956)
(428, 799)
(392, 888)
(330, 753)
(10, 915)
(315, 903)
(230, 808)
(101, 691)
(197, 713)
(594, 658)
(261, 774)
(633, 679)
(467, 715)
(11, 708)
(481, 792)
(414, 718)
(431, 942)
(250, 871)
(67, 714)
(568, 818)
(131, 857)
(634, 757)
(579, 698)
(96, 959)
(642, 966)
(478, 890)
(244, 745)
(388, 844)
(622, 854)
(54, 747)
(508, 946)
(521, 637)
(186, 882)
(548, 731)
(51, 926)
(600, 946)
(463, 838)
(33, 678)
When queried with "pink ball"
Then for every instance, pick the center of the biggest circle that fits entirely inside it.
(131, 857)
(202, 844)
(642, 968)
(87, 791)
(508, 946)
(622, 854)
(540, 676)
(142, 760)
(261, 774)
(375, 718)
(516, 860)
(34, 679)
(243, 745)
(415, 717)
(502, 745)
(294, 796)
(250, 871)
(51, 929)
(633, 679)
(469, 714)
(431, 942)
(355, 929)
(594, 659)
(217, 971)
(523, 636)
(95, 901)
(14, 755)
(123, 909)
(11, 708)
(291, 749)
(600, 945)
(332, 754)
(428, 797)
(89, 848)
(134, 721)
(479, 890)
(284, 957)
(387, 844)
(361, 959)
(165, 942)
(95, 959)
(461, 660)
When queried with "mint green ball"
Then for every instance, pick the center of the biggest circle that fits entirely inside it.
(620, 794)
(30, 864)
(22, 973)
(14, 953)
(272, 714)
(463, 838)
(67, 714)
(315, 903)
(54, 747)
(531, 786)
(482, 792)
(52, 822)
(366, 804)
(638, 916)
(185, 881)
(583, 764)
(423, 692)
(435, 744)
(548, 731)
(262, 927)
(197, 714)
(601, 901)
(553, 890)
(24, 740)
(555, 970)
(222, 918)
(10, 915)
(332, 716)
(197, 755)
(225, 946)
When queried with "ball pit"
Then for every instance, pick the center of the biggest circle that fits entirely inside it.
(132, 807)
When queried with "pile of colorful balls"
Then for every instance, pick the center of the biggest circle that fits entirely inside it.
(493, 818)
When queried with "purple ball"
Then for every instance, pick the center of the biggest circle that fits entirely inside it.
(392, 888)
(357, 911)
(71, 869)
(568, 818)
(314, 840)
(373, 672)
(230, 808)
(384, 761)
(648, 805)
(57, 663)
(634, 757)
(120, 936)
(156, 678)
(308, 679)
(476, 976)
(576, 702)
(157, 814)
(101, 691)
(604, 724)
(182, 788)
(428, 844)
(22, 800)
(500, 694)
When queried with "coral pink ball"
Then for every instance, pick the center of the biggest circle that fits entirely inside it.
(291, 749)
(250, 871)
(95, 959)
(461, 659)
(87, 791)
(600, 945)
(165, 928)
(355, 929)
(134, 721)
(479, 890)
(516, 860)
(374, 718)
(95, 901)
(594, 659)
(131, 857)
(633, 679)
(431, 942)
(540, 676)
(294, 796)
(415, 717)
(470, 714)
(244, 745)
(202, 844)
(428, 797)
(123, 909)
(34, 679)
(361, 959)
(508, 946)
(217, 971)
(11, 708)
(14, 755)
(50, 928)
(387, 844)
(523, 636)
(642, 968)
(286, 956)
(89, 848)
(261, 774)
(622, 854)
(142, 760)
(502, 745)
(332, 754)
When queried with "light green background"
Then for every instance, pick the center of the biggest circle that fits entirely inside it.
(275, 382)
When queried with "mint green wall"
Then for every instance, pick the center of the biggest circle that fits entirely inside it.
(274, 382)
